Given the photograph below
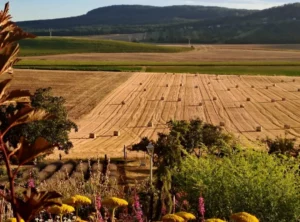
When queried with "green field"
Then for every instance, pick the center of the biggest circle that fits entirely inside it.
(52, 46)
(251, 68)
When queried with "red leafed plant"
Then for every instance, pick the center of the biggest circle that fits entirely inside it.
(32, 201)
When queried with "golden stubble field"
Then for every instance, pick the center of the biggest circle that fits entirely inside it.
(202, 53)
(157, 98)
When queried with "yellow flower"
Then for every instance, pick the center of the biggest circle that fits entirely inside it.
(78, 200)
(172, 218)
(214, 220)
(114, 202)
(63, 209)
(13, 220)
(243, 217)
(186, 215)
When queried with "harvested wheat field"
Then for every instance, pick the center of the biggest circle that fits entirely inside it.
(250, 107)
(82, 90)
(202, 53)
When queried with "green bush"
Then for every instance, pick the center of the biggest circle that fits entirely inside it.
(264, 185)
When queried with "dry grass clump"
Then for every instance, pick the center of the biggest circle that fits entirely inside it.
(47, 171)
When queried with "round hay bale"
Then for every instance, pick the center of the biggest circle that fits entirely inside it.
(299, 90)
(237, 86)
(259, 129)
(267, 87)
(196, 87)
(167, 85)
(141, 83)
(242, 106)
(294, 80)
(248, 99)
(208, 83)
(214, 98)
(180, 84)
(92, 136)
(228, 89)
(252, 87)
(179, 99)
(200, 104)
(273, 100)
(196, 75)
(145, 90)
(162, 98)
(283, 99)
(123, 102)
(222, 124)
(274, 84)
(286, 126)
(282, 80)
(117, 133)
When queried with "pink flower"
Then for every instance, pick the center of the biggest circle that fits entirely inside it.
(201, 206)
(137, 208)
(30, 182)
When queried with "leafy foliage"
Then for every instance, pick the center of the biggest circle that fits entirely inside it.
(255, 182)
(281, 145)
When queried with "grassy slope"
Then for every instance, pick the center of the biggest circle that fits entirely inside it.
(49, 46)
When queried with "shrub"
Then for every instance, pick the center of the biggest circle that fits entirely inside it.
(261, 184)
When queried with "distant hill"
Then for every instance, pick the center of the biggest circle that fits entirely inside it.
(177, 24)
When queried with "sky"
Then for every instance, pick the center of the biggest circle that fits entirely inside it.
(23, 10)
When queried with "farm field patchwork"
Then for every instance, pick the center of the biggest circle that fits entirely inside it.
(143, 104)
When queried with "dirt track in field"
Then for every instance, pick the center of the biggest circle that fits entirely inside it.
(141, 107)
(203, 53)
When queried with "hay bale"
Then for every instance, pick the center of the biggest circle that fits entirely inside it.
(214, 98)
(248, 99)
(282, 80)
(150, 124)
(252, 87)
(274, 84)
(259, 129)
(294, 80)
(167, 85)
(117, 133)
(123, 102)
(179, 99)
(162, 98)
(208, 83)
(180, 84)
(141, 83)
(283, 99)
(196, 75)
(200, 104)
(92, 136)
(237, 86)
(267, 87)
(242, 106)
(286, 126)
(228, 89)
(222, 124)
(273, 100)
(299, 90)
(196, 87)
(145, 90)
